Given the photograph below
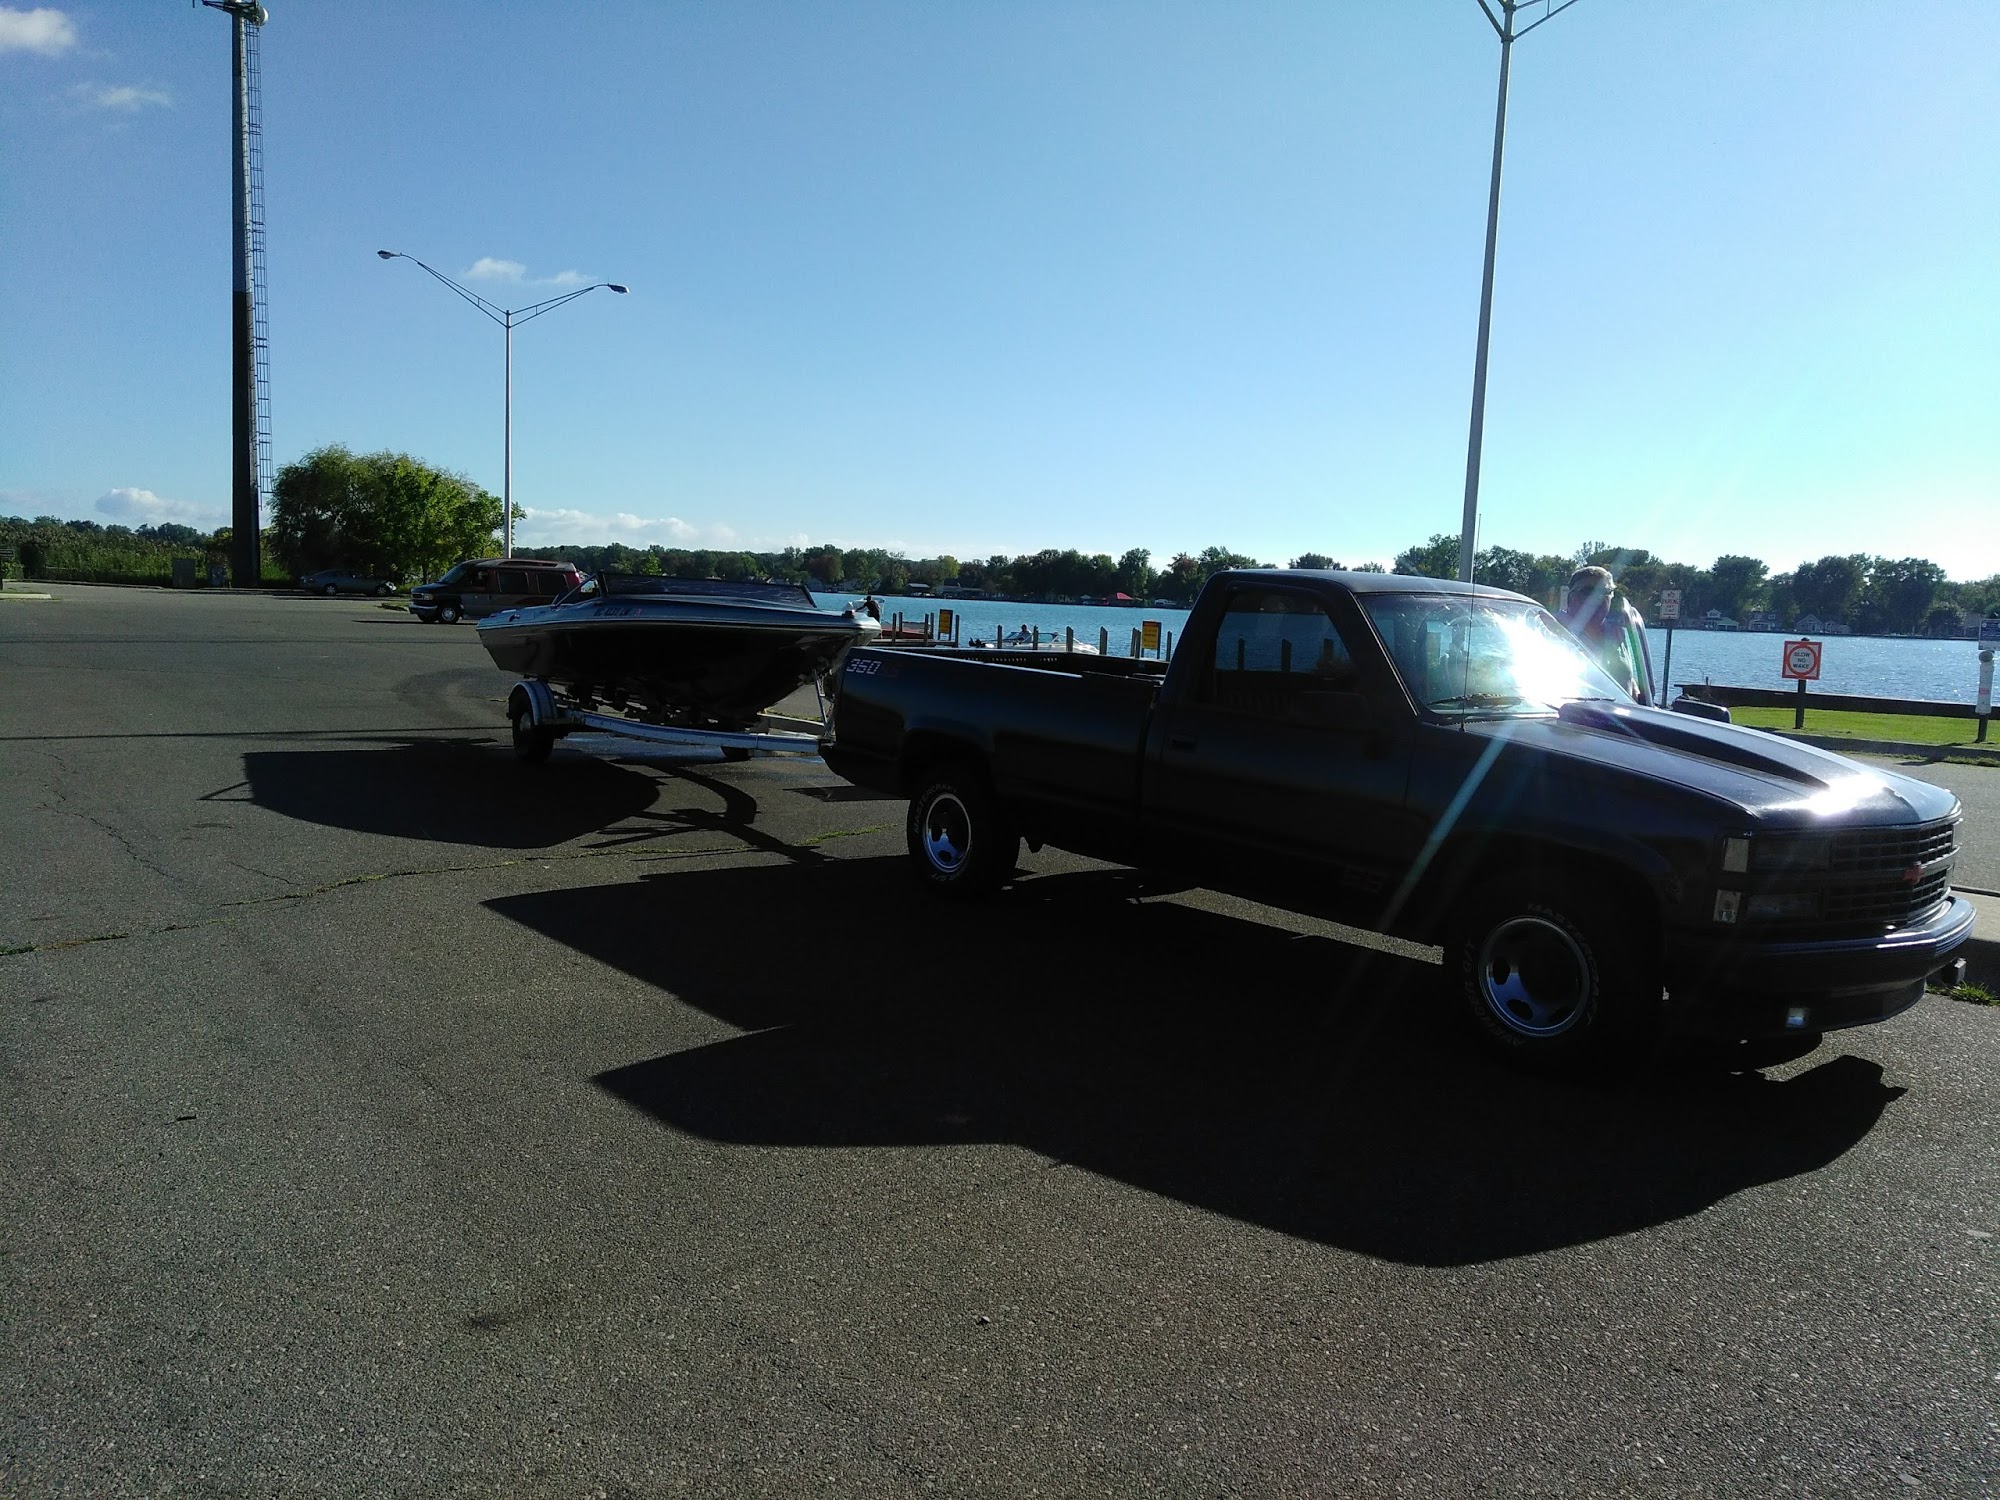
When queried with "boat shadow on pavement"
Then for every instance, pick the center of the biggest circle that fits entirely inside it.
(1287, 1081)
(449, 791)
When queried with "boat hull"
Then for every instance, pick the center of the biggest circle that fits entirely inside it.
(696, 661)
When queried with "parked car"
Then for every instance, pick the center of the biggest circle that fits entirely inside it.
(1441, 762)
(346, 581)
(487, 585)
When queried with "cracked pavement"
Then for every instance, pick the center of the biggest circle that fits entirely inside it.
(382, 1117)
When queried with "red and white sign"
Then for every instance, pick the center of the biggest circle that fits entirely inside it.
(1802, 660)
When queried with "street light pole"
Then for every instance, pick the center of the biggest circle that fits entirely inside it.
(507, 318)
(1503, 26)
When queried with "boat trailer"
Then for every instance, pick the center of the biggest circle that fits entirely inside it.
(540, 718)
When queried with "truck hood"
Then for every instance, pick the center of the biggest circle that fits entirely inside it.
(1776, 781)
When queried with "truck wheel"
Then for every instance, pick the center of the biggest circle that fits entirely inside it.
(961, 839)
(1548, 973)
(447, 614)
(531, 745)
(329, 591)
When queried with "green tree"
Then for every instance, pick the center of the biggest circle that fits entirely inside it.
(1313, 560)
(1735, 585)
(1183, 577)
(1831, 587)
(1899, 594)
(1436, 558)
(386, 513)
(427, 520)
(1135, 573)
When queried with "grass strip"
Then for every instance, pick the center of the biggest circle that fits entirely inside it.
(1909, 729)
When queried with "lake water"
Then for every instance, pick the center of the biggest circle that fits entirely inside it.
(1937, 671)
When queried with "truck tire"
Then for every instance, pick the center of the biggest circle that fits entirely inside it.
(447, 614)
(531, 744)
(1550, 974)
(961, 840)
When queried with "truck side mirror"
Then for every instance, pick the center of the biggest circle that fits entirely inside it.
(1686, 705)
(1352, 712)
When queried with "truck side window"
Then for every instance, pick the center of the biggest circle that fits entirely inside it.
(512, 582)
(1271, 645)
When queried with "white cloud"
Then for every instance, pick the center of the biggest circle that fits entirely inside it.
(135, 507)
(493, 268)
(48, 32)
(559, 527)
(127, 97)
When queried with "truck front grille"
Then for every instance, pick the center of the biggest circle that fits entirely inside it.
(1871, 881)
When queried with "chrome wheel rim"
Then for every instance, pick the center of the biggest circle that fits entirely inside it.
(1533, 977)
(947, 833)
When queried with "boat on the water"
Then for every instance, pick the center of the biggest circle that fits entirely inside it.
(1030, 638)
(699, 652)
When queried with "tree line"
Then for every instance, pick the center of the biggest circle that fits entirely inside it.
(1870, 595)
(94, 552)
(394, 516)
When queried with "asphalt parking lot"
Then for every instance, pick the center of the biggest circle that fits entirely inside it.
(383, 1117)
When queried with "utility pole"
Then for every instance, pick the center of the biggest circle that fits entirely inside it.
(1503, 26)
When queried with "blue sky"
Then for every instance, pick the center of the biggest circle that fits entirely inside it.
(986, 277)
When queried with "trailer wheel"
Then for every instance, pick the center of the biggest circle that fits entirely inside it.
(531, 744)
(961, 839)
(1550, 974)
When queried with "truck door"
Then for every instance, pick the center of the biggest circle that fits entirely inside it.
(1284, 751)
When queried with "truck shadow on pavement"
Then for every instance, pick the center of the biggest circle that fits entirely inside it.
(1283, 1080)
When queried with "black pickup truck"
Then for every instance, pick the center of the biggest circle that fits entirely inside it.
(1440, 762)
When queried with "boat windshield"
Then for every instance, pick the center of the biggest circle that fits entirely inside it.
(1463, 655)
(608, 585)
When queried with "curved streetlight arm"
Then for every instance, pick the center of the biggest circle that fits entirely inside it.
(521, 315)
(499, 315)
(1546, 16)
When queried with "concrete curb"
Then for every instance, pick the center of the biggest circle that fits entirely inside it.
(1982, 950)
(1982, 754)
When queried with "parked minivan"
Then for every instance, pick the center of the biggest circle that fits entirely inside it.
(488, 585)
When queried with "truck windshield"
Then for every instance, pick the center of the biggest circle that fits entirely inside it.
(1459, 654)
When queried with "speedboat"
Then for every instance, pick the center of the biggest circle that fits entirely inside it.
(683, 651)
(1028, 638)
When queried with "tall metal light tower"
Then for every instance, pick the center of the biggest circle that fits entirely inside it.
(249, 334)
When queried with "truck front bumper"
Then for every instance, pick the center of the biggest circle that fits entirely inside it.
(1733, 988)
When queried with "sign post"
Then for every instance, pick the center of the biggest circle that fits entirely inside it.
(1989, 637)
(1802, 663)
(1670, 611)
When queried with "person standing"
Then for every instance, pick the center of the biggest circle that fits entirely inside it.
(1610, 629)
